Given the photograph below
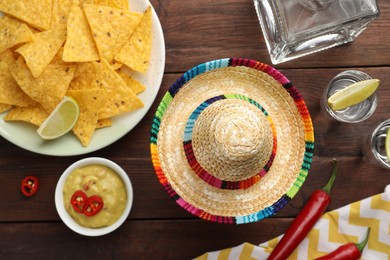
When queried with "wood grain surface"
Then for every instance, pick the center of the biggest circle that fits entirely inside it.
(157, 228)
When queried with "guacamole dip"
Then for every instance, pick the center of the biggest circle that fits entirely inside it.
(97, 180)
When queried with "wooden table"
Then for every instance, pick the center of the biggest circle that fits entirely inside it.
(157, 228)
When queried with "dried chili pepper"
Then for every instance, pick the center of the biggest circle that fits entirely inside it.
(78, 200)
(305, 220)
(29, 185)
(93, 205)
(350, 251)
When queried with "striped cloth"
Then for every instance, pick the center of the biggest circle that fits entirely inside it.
(335, 228)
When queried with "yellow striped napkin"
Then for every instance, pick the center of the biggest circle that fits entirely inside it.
(335, 228)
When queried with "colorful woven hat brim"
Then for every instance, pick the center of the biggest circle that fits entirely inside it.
(233, 201)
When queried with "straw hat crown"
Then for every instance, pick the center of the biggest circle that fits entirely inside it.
(232, 140)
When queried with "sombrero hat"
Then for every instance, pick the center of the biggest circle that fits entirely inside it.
(232, 141)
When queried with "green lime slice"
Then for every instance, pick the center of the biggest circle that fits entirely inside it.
(353, 94)
(387, 144)
(61, 120)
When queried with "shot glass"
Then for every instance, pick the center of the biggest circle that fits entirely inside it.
(374, 145)
(353, 114)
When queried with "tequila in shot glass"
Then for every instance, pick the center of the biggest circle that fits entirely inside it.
(374, 149)
(353, 114)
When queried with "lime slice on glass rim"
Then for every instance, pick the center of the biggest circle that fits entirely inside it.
(353, 94)
(387, 144)
(61, 120)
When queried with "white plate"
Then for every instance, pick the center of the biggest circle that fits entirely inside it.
(24, 135)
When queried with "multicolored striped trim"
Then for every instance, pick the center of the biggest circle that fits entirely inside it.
(302, 108)
(200, 171)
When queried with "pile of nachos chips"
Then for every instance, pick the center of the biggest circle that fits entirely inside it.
(78, 48)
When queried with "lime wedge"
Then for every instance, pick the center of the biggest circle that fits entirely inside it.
(353, 94)
(387, 144)
(61, 120)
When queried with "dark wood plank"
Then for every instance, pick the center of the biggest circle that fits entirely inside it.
(198, 31)
(133, 240)
(152, 202)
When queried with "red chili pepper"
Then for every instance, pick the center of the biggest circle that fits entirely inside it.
(305, 220)
(350, 251)
(93, 205)
(78, 200)
(29, 185)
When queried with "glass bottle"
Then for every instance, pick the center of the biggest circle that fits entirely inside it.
(294, 28)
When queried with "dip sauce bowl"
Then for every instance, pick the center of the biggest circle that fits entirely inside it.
(59, 197)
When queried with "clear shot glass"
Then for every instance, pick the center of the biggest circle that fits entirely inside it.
(353, 114)
(374, 145)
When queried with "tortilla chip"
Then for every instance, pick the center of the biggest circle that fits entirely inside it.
(136, 52)
(84, 80)
(54, 80)
(13, 51)
(88, 101)
(80, 45)
(135, 85)
(58, 58)
(36, 13)
(13, 32)
(111, 28)
(115, 65)
(10, 92)
(34, 115)
(118, 98)
(124, 4)
(4, 108)
(121, 4)
(40, 52)
(82, 68)
(60, 11)
(110, 3)
(104, 122)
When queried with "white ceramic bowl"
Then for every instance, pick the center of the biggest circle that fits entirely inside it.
(69, 221)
